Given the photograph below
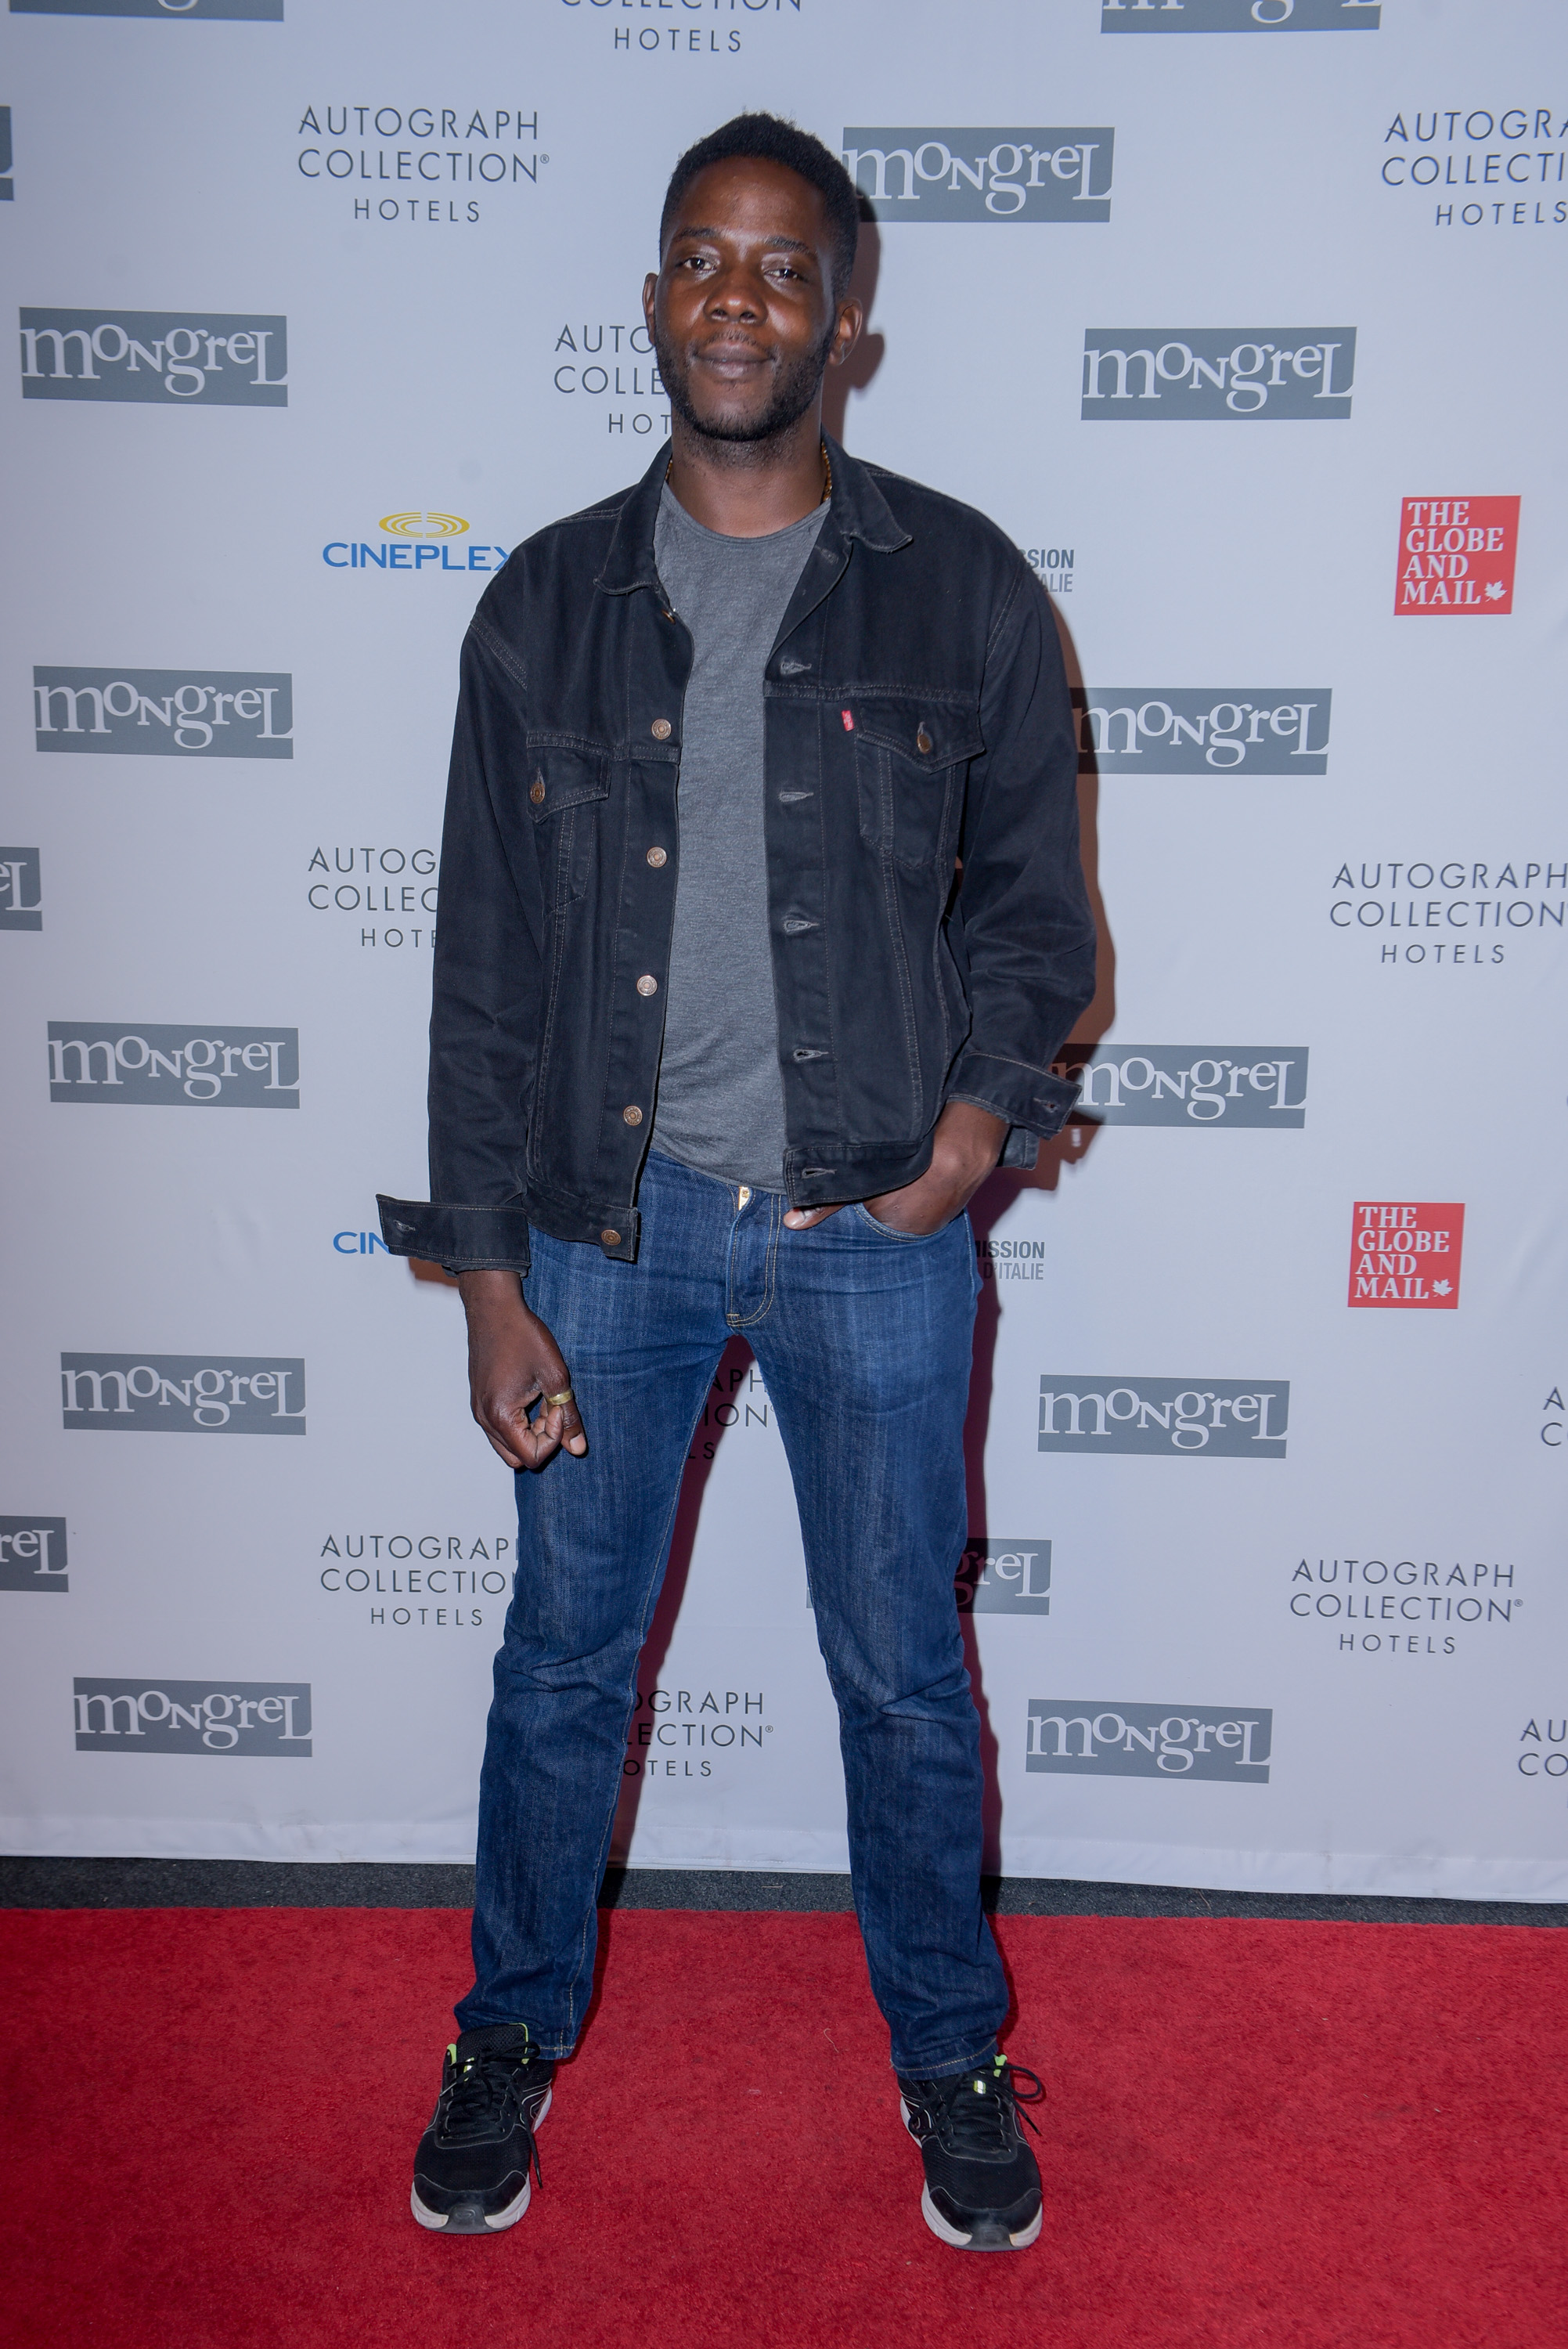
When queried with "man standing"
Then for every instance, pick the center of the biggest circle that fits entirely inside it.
(761, 920)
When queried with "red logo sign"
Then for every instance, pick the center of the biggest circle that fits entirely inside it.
(1406, 1253)
(1456, 554)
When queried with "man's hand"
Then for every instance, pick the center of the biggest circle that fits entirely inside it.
(513, 1363)
(965, 1148)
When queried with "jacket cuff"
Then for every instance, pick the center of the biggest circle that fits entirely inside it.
(1029, 1098)
(460, 1240)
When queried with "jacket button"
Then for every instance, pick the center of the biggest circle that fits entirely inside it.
(923, 741)
(647, 984)
(634, 1116)
(537, 793)
(656, 857)
(608, 1239)
(661, 729)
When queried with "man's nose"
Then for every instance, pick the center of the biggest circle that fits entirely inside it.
(736, 295)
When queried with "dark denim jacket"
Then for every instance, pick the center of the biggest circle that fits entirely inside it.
(917, 721)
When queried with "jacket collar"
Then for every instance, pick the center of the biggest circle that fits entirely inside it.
(859, 510)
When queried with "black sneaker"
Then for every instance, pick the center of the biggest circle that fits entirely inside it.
(471, 2171)
(982, 2186)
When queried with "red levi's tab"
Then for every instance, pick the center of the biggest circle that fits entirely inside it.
(1405, 1253)
(848, 720)
(1456, 554)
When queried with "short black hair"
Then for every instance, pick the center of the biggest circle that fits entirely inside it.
(772, 140)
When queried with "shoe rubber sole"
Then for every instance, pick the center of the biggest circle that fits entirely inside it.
(467, 2215)
(988, 2234)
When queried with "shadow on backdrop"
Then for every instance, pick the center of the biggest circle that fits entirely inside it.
(863, 361)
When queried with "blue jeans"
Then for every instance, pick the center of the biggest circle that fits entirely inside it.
(864, 1337)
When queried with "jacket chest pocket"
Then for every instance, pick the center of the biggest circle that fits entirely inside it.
(910, 763)
(566, 783)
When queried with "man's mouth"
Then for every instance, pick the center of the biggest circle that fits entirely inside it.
(730, 361)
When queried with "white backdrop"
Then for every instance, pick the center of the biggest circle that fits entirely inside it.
(1287, 1610)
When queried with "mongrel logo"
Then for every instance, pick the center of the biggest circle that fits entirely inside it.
(1176, 730)
(227, 361)
(432, 532)
(983, 175)
(104, 1061)
(1186, 1085)
(1229, 1420)
(247, 1717)
(1186, 374)
(249, 1395)
(270, 12)
(21, 890)
(1073, 1738)
(1240, 16)
(1004, 1577)
(160, 713)
(33, 1554)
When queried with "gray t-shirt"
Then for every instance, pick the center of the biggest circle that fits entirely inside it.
(721, 1096)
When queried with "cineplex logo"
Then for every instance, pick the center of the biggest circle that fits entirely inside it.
(33, 1554)
(244, 1068)
(226, 361)
(1240, 16)
(1456, 554)
(1174, 729)
(1187, 1085)
(1404, 1253)
(159, 713)
(1074, 1739)
(247, 1717)
(21, 890)
(184, 1394)
(983, 175)
(269, 12)
(1165, 374)
(1226, 1420)
(417, 542)
(1004, 1577)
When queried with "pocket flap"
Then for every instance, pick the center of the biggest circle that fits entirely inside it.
(907, 724)
(564, 774)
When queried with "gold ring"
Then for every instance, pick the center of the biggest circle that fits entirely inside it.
(564, 1396)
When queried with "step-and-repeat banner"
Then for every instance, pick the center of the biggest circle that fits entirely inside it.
(1244, 318)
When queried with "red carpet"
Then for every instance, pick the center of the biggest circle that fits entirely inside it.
(1259, 2137)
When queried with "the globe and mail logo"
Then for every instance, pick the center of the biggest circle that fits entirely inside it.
(1203, 729)
(162, 713)
(1187, 1084)
(1211, 1419)
(184, 1394)
(962, 174)
(21, 889)
(174, 1068)
(214, 359)
(1176, 375)
(262, 1718)
(1240, 16)
(1074, 1738)
(1004, 1575)
(33, 1554)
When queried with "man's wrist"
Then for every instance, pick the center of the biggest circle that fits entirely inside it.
(490, 1290)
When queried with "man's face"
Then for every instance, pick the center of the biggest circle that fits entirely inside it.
(742, 311)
